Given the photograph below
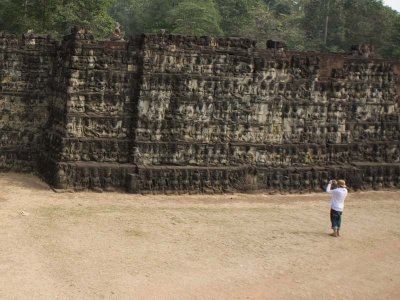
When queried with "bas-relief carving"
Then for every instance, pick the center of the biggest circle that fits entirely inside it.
(203, 107)
(196, 105)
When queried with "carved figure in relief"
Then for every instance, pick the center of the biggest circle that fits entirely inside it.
(61, 180)
(84, 178)
(174, 182)
(364, 50)
(368, 178)
(324, 176)
(307, 187)
(66, 153)
(114, 153)
(217, 181)
(95, 183)
(225, 182)
(185, 181)
(85, 153)
(164, 181)
(148, 181)
(195, 182)
(136, 155)
(295, 182)
(286, 184)
(117, 34)
(108, 182)
(277, 181)
(207, 186)
(177, 156)
(379, 179)
(389, 178)
(315, 182)
(261, 158)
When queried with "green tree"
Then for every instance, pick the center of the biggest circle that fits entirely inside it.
(195, 18)
(289, 14)
(236, 14)
(17, 16)
(90, 13)
(327, 25)
(130, 14)
(155, 14)
(393, 49)
(324, 24)
(262, 25)
(335, 25)
(368, 21)
(56, 17)
(277, 20)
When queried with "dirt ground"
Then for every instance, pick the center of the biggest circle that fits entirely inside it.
(119, 246)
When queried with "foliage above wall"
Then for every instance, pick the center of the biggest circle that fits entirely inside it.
(321, 25)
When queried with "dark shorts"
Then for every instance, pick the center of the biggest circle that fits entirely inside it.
(336, 219)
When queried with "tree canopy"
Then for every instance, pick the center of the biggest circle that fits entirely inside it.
(319, 25)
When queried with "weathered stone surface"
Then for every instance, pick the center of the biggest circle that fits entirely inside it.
(26, 66)
(176, 114)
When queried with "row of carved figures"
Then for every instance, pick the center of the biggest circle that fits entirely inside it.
(220, 180)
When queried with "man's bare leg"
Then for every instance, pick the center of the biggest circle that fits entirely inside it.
(335, 233)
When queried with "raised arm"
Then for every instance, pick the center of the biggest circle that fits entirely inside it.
(328, 187)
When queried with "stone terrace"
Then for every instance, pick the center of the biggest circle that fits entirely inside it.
(177, 114)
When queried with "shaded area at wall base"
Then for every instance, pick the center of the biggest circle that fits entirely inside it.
(248, 179)
(142, 179)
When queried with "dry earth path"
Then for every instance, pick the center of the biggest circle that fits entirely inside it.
(118, 246)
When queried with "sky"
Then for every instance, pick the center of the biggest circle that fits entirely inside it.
(395, 4)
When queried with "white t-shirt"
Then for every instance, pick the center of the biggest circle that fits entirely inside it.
(338, 196)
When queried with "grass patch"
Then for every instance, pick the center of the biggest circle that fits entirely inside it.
(134, 232)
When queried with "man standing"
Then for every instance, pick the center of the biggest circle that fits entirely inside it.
(337, 203)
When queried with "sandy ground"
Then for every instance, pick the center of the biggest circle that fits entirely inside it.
(118, 246)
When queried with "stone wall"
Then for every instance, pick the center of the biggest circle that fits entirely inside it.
(26, 67)
(89, 136)
(289, 120)
(176, 114)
